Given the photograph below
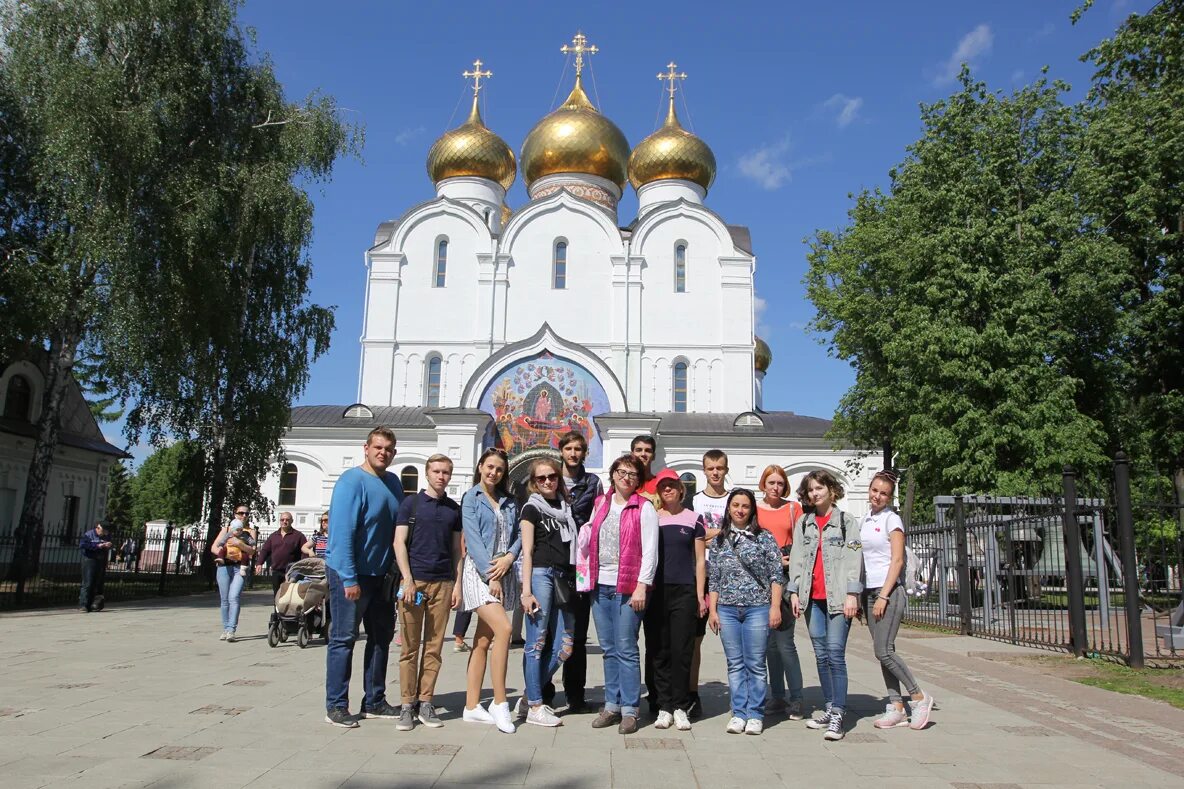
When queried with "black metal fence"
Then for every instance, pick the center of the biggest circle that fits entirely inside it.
(1099, 576)
(165, 561)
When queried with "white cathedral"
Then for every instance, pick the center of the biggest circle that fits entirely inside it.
(490, 326)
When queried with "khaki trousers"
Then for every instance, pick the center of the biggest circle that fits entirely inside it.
(423, 626)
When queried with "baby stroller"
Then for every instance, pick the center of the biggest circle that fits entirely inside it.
(300, 603)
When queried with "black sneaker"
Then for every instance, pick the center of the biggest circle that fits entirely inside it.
(578, 707)
(549, 694)
(834, 729)
(695, 708)
(339, 716)
(380, 710)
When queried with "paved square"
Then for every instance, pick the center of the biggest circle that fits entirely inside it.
(144, 694)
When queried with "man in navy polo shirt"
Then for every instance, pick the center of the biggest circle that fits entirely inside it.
(427, 548)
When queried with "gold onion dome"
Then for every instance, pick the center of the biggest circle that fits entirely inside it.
(763, 355)
(672, 152)
(575, 138)
(471, 149)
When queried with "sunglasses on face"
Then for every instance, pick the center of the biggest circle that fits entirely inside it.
(546, 478)
(241, 512)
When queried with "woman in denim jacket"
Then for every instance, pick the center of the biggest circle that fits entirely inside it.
(489, 518)
(826, 572)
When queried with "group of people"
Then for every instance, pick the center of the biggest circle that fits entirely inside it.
(631, 557)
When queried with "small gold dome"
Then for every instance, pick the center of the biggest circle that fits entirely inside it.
(472, 149)
(763, 355)
(672, 152)
(575, 138)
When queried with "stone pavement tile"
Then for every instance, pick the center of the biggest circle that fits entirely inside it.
(301, 779)
(126, 772)
(644, 768)
(57, 765)
(485, 766)
(1008, 768)
(394, 781)
(394, 763)
(133, 742)
(17, 748)
(323, 760)
(40, 719)
(862, 762)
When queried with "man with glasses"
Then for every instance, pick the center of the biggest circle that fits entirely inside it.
(283, 548)
(364, 507)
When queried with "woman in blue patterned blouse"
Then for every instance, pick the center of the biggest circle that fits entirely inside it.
(746, 583)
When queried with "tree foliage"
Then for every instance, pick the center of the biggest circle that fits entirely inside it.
(158, 219)
(974, 299)
(120, 495)
(168, 486)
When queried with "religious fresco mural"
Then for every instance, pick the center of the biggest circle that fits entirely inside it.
(536, 400)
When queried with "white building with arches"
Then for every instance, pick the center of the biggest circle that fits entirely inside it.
(486, 325)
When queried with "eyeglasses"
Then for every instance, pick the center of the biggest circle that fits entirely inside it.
(547, 478)
(627, 474)
(324, 520)
(241, 512)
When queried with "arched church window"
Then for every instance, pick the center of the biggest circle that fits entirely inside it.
(288, 475)
(680, 268)
(559, 268)
(690, 484)
(431, 394)
(679, 385)
(18, 401)
(409, 476)
(441, 269)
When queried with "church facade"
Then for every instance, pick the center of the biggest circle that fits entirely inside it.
(490, 326)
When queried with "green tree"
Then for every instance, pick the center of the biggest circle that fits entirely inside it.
(1135, 156)
(168, 486)
(978, 314)
(120, 484)
(160, 221)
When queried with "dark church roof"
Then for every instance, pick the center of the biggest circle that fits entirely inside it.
(334, 416)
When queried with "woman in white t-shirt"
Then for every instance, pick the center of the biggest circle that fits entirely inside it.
(882, 535)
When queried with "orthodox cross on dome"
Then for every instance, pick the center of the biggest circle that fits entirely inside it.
(670, 76)
(579, 46)
(477, 75)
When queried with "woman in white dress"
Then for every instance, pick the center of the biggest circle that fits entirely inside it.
(490, 521)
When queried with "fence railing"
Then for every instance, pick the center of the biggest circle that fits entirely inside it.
(165, 563)
(1084, 575)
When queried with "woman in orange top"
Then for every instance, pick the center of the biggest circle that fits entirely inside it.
(777, 515)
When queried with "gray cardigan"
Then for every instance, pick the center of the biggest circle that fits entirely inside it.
(842, 559)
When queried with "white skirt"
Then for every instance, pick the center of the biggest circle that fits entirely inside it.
(475, 593)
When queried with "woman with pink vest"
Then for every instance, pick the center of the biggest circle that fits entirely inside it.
(616, 559)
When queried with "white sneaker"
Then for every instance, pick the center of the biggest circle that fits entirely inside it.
(230, 639)
(892, 718)
(735, 726)
(665, 719)
(225, 633)
(501, 717)
(521, 708)
(681, 721)
(543, 715)
(754, 726)
(477, 714)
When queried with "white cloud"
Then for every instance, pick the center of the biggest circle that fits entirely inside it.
(767, 165)
(976, 42)
(846, 108)
(407, 135)
(759, 307)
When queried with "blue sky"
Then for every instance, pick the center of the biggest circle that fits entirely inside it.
(802, 103)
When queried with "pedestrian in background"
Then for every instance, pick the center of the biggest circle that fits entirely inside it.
(282, 548)
(95, 547)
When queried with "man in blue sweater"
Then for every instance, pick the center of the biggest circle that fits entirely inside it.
(94, 546)
(361, 539)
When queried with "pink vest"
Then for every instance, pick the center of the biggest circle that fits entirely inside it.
(629, 558)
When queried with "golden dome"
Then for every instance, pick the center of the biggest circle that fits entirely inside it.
(763, 355)
(472, 149)
(672, 152)
(575, 138)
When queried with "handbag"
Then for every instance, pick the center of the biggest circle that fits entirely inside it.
(563, 588)
(394, 576)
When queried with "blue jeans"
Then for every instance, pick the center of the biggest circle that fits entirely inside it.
(378, 614)
(617, 626)
(230, 587)
(829, 634)
(541, 656)
(784, 665)
(744, 630)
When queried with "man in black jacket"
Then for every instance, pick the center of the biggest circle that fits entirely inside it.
(583, 488)
(95, 545)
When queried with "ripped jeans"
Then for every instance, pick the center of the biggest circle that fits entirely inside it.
(540, 660)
